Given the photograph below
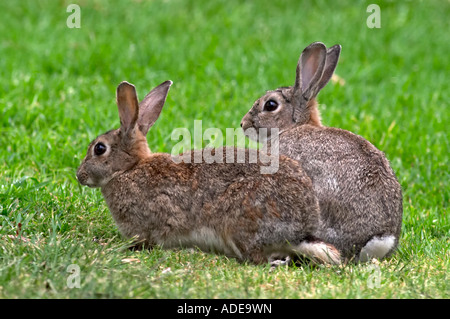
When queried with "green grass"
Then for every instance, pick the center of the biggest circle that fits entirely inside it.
(57, 93)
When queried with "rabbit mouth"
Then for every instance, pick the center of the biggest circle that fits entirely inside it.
(84, 179)
(94, 180)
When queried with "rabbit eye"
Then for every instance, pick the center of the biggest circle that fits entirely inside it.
(270, 106)
(99, 149)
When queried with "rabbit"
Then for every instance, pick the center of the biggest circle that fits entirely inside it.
(359, 195)
(225, 208)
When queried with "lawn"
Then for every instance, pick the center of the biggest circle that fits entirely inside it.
(58, 93)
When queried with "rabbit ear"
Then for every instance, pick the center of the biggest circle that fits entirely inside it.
(128, 106)
(330, 65)
(151, 106)
(309, 70)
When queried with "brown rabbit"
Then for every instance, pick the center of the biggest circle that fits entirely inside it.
(359, 196)
(229, 208)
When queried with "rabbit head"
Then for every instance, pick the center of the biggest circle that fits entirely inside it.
(287, 107)
(119, 150)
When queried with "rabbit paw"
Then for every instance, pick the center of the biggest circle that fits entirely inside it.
(276, 262)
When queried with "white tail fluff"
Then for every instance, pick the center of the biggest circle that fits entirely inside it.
(377, 247)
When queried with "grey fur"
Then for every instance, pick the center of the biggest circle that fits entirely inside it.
(359, 195)
(232, 209)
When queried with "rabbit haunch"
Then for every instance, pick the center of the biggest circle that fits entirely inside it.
(227, 208)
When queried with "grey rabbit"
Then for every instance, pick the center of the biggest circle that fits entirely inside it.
(227, 208)
(359, 195)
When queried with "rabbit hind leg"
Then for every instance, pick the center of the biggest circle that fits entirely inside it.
(318, 251)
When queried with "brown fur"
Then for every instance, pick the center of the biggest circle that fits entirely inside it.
(314, 116)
